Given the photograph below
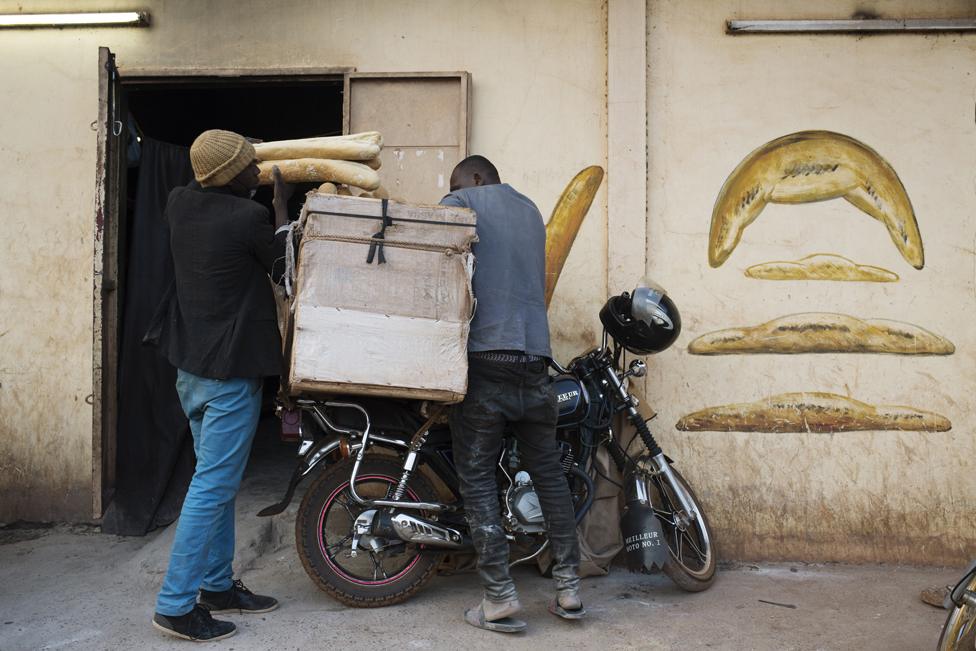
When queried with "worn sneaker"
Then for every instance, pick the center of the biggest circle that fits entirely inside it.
(237, 599)
(196, 625)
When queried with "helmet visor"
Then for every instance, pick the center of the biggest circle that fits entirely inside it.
(646, 305)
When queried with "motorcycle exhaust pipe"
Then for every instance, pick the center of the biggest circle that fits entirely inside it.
(410, 528)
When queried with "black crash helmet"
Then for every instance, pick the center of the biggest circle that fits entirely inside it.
(643, 322)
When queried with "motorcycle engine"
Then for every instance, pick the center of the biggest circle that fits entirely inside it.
(524, 505)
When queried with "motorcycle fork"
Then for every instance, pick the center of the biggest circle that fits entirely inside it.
(658, 458)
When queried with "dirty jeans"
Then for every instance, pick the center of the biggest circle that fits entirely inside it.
(518, 394)
(223, 417)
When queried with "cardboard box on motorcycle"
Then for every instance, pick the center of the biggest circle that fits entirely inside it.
(382, 299)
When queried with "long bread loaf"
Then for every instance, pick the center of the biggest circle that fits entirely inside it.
(315, 170)
(359, 146)
(818, 332)
(811, 412)
(821, 266)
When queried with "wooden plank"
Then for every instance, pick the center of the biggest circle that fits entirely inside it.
(421, 111)
(113, 236)
(98, 261)
(192, 74)
(109, 192)
(425, 121)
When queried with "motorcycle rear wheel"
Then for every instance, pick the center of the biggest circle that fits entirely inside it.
(323, 531)
(690, 542)
(959, 631)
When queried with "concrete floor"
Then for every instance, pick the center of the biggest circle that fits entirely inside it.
(71, 587)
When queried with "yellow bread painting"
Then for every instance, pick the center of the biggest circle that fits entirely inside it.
(821, 266)
(813, 166)
(811, 412)
(819, 332)
(564, 224)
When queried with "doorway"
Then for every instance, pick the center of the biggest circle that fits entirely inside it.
(147, 455)
(425, 120)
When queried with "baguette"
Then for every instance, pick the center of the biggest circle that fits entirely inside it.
(359, 146)
(564, 224)
(817, 332)
(821, 266)
(811, 412)
(315, 170)
(813, 166)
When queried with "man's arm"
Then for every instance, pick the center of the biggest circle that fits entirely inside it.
(453, 200)
(282, 193)
(267, 243)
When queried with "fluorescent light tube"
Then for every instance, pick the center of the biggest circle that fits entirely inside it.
(97, 19)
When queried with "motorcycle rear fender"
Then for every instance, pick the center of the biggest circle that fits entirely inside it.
(312, 458)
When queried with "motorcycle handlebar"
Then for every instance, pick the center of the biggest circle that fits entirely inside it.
(556, 366)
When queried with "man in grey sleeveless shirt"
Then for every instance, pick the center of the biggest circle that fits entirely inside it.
(508, 385)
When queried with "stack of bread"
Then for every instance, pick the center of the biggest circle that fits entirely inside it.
(342, 164)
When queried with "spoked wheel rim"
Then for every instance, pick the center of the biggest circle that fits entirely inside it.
(960, 627)
(339, 512)
(688, 539)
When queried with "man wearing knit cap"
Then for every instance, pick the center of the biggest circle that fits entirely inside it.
(218, 327)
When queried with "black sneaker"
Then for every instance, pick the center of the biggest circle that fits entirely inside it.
(236, 599)
(196, 625)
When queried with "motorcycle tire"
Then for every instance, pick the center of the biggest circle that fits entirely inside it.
(959, 631)
(689, 576)
(332, 572)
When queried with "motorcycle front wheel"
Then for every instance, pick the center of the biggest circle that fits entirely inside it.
(382, 575)
(959, 631)
(690, 540)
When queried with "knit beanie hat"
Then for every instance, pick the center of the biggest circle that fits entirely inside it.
(218, 156)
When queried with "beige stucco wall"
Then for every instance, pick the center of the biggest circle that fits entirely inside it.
(539, 83)
(712, 99)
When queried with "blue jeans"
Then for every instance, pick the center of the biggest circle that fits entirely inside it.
(223, 417)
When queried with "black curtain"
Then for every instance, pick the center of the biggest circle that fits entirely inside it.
(154, 450)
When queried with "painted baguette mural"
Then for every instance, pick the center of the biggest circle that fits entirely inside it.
(565, 221)
(817, 332)
(821, 266)
(811, 412)
(811, 166)
(805, 167)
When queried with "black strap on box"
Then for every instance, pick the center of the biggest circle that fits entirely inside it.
(378, 237)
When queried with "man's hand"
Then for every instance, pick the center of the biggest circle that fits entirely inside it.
(282, 193)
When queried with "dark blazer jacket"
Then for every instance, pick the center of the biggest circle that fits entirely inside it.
(219, 320)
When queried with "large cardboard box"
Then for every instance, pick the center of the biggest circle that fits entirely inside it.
(382, 306)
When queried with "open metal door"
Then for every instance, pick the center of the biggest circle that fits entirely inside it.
(109, 212)
(424, 119)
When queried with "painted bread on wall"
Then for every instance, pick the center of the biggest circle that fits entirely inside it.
(821, 332)
(810, 166)
(565, 221)
(821, 266)
(811, 412)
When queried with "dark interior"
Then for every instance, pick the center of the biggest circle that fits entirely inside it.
(155, 459)
(262, 109)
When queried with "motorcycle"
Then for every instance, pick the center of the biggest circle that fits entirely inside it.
(959, 632)
(379, 517)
